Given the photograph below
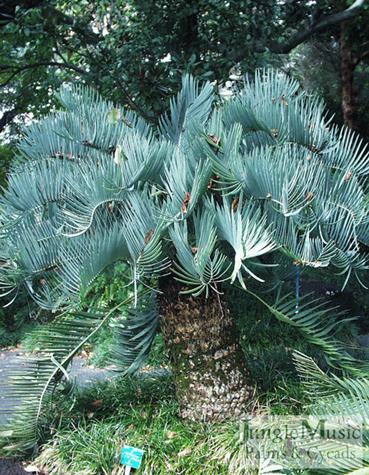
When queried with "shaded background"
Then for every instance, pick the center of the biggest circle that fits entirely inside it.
(135, 51)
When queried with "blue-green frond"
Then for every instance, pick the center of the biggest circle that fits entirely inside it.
(191, 107)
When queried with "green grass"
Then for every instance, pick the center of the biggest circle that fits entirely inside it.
(86, 439)
(143, 413)
(89, 448)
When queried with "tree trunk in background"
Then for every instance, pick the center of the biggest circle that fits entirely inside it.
(7, 118)
(211, 378)
(347, 78)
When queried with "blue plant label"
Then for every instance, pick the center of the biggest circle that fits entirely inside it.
(131, 456)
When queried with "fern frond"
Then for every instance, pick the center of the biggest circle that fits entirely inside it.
(348, 152)
(339, 397)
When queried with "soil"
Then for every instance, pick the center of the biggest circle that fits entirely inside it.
(9, 467)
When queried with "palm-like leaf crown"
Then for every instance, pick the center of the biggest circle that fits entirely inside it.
(261, 172)
(216, 186)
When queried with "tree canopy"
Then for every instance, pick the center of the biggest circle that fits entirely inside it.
(134, 52)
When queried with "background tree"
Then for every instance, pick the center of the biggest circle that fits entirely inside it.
(336, 65)
(135, 52)
(202, 200)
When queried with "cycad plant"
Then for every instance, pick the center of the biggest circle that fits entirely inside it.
(218, 193)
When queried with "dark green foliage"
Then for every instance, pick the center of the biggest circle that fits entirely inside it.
(18, 321)
(6, 156)
(135, 52)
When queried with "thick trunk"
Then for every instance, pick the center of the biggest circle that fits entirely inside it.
(211, 377)
(347, 79)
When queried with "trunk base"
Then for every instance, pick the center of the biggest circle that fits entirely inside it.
(211, 378)
(217, 392)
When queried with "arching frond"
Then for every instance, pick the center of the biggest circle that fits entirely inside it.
(348, 152)
(301, 245)
(272, 111)
(134, 335)
(191, 106)
(33, 377)
(318, 322)
(338, 397)
(34, 186)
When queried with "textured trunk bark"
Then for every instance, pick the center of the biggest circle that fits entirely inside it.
(211, 378)
(347, 79)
